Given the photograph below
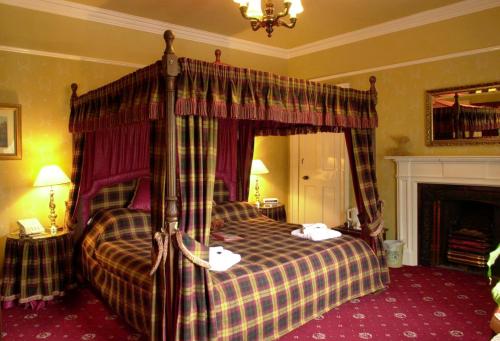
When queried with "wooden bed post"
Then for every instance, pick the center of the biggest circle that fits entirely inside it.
(373, 90)
(171, 70)
(74, 96)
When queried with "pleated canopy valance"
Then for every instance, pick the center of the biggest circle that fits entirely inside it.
(223, 91)
(136, 97)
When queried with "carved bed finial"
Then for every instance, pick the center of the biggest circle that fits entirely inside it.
(169, 41)
(74, 88)
(373, 90)
(218, 53)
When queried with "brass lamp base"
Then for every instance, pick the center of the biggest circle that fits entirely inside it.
(257, 193)
(52, 215)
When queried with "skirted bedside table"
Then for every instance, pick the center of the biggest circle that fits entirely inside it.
(36, 270)
(276, 212)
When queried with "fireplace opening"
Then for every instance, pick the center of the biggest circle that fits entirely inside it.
(458, 225)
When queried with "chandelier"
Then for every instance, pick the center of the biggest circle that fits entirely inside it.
(252, 10)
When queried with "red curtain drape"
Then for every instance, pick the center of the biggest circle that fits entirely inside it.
(111, 156)
(246, 137)
(227, 155)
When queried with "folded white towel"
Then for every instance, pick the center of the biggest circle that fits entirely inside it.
(315, 226)
(221, 259)
(316, 234)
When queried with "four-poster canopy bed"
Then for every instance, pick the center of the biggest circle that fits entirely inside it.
(198, 121)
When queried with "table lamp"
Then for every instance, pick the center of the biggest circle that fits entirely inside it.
(258, 168)
(51, 176)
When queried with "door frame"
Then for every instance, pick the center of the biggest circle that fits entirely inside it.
(293, 196)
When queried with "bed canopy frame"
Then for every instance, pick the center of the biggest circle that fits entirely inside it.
(178, 96)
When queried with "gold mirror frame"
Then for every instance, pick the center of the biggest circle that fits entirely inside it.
(429, 132)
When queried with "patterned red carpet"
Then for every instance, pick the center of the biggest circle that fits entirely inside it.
(421, 303)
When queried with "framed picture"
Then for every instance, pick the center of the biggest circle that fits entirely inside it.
(10, 132)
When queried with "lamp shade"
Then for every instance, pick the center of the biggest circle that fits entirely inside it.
(258, 168)
(50, 176)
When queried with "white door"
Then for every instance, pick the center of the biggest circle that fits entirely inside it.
(322, 176)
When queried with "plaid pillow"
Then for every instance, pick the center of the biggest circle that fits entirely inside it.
(113, 196)
(125, 224)
(237, 210)
(221, 194)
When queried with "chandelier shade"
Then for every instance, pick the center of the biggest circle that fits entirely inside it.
(252, 10)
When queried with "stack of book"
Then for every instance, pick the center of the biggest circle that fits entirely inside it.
(469, 246)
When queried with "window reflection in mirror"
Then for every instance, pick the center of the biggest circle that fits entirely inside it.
(463, 115)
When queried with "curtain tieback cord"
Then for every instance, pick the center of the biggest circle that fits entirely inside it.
(377, 226)
(162, 241)
(194, 259)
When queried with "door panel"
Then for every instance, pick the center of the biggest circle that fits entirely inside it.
(322, 178)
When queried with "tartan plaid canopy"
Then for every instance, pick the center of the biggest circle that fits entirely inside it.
(136, 97)
(454, 121)
(224, 91)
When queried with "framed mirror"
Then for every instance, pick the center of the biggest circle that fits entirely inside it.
(463, 115)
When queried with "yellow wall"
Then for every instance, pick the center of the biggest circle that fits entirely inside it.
(42, 86)
(274, 152)
(401, 110)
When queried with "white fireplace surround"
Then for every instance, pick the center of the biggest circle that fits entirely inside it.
(454, 170)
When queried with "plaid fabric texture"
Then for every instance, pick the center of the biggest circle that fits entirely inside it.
(37, 269)
(116, 260)
(283, 281)
(455, 121)
(114, 196)
(361, 150)
(224, 91)
(161, 303)
(136, 97)
(235, 211)
(196, 150)
(76, 176)
(221, 194)
(275, 212)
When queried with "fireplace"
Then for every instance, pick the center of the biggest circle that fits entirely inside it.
(458, 225)
(413, 171)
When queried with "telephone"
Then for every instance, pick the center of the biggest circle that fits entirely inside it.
(30, 227)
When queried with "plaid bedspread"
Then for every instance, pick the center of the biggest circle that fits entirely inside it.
(283, 281)
(116, 259)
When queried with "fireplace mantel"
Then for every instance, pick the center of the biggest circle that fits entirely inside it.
(454, 170)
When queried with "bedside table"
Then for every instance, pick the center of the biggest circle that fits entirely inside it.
(352, 232)
(36, 270)
(276, 212)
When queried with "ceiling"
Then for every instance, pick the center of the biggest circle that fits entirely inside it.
(321, 18)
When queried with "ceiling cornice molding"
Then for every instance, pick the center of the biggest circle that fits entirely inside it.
(68, 56)
(419, 19)
(133, 22)
(318, 79)
(109, 17)
(409, 63)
